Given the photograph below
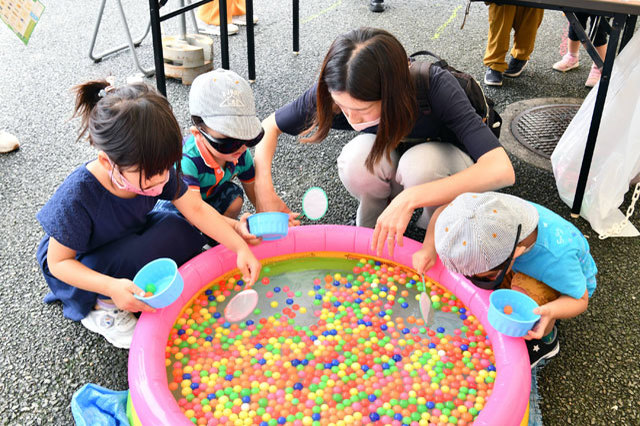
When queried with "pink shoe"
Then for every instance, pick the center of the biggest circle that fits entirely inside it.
(594, 76)
(568, 62)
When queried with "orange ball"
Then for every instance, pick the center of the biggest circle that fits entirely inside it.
(508, 309)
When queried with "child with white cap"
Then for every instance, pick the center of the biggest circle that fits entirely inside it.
(487, 236)
(225, 125)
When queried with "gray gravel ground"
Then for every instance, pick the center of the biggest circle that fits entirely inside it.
(44, 358)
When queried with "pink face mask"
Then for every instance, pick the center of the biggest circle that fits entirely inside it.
(122, 183)
(361, 126)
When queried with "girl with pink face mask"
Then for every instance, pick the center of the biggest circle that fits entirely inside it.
(100, 226)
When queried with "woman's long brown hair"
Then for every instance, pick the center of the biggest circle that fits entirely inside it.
(369, 64)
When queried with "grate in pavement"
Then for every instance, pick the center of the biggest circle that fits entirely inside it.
(540, 128)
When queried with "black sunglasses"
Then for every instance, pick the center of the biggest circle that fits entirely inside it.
(488, 284)
(228, 145)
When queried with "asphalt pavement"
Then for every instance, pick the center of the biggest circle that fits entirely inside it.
(44, 358)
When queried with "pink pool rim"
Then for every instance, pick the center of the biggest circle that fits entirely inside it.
(148, 385)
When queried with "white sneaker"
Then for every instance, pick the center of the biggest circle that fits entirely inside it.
(205, 28)
(242, 20)
(115, 325)
(8, 142)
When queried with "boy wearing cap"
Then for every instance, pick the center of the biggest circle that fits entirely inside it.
(487, 236)
(224, 125)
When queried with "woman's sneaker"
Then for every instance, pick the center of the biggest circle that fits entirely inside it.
(567, 63)
(539, 350)
(594, 76)
(115, 325)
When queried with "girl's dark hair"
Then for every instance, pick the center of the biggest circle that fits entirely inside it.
(369, 64)
(133, 124)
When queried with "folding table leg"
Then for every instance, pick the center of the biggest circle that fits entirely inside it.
(618, 21)
(131, 44)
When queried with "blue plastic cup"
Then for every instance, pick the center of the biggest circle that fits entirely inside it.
(163, 274)
(520, 321)
(269, 225)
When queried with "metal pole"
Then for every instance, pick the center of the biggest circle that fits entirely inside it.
(251, 53)
(182, 23)
(154, 8)
(601, 96)
(296, 26)
(224, 35)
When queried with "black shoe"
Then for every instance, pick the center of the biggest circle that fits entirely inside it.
(516, 66)
(493, 78)
(538, 350)
(376, 5)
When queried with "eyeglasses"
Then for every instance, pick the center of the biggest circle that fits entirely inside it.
(228, 145)
(491, 284)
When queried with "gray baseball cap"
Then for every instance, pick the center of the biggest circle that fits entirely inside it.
(224, 101)
(476, 232)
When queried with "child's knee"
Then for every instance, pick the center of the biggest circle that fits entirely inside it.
(234, 208)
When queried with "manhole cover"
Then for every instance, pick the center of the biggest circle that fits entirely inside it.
(540, 128)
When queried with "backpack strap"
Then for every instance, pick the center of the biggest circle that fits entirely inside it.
(420, 73)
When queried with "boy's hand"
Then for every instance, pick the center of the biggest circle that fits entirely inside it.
(249, 266)
(424, 259)
(294, 219)
(122, 295)
(242, 228)
(537, 332)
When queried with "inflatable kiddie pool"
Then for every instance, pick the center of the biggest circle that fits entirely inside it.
(507, 367)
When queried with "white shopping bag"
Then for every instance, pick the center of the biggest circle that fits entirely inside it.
(616, 159)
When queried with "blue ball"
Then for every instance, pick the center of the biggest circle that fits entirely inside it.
(430, 405)
(440, 329)
(405, 305)
(228, 377)
(298, 386)
(186, 376)
(374, 417)
(372, 397)
(289, 301)
(315, 416)
(276, 289)
(246, 399)
(282, 420)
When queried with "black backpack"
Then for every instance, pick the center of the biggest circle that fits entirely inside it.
(420, 71)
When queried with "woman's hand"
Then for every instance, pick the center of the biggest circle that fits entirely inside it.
(391, 224)
(424, 259)
(545, 318)
(249, 266)
(122, 291)
(242, 228)
(269, 201)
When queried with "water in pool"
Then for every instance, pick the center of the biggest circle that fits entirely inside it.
(334, 340)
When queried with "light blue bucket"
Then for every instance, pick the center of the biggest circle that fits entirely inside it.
(163, 274)
(521, 320)
(269, 225)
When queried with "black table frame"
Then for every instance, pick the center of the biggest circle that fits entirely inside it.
(624, 21)
(156, 33)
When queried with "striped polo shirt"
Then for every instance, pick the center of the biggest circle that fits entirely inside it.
(201, 171)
